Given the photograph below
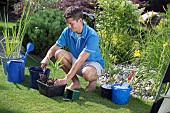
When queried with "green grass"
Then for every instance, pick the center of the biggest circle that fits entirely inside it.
(9, 24)
(19, 98)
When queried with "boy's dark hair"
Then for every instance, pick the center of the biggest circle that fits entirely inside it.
(73, 12)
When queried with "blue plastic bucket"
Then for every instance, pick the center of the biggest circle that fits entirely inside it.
(120, 95)
(34, 75)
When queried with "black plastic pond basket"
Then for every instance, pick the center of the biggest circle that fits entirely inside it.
(52, 90)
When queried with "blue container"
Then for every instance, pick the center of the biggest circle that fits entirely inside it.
(35, 75)
(120, 95)
(15, 70)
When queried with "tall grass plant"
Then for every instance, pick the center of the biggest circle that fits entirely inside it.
(13, 37)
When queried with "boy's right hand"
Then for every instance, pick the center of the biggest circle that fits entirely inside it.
(44, 63)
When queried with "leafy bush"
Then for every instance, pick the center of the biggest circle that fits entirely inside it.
(87, 5)
(119, 21)
(37, 5)
(44, 28)
(155, 53)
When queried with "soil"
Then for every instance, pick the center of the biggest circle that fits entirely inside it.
(43, 78)
(47, 81)
(50, 82)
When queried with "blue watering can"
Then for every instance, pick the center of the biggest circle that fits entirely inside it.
(16, 65)
(30, 47)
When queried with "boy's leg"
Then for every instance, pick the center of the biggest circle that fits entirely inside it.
(90, 72)
(67, 63)
(90, 75)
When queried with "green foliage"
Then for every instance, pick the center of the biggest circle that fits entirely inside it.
(54, 67)
(45, 4)
(13, 40)
(37, 5)
(155, 53)
(118, 27)
(9, 24)
(44, 28)
(118, 15)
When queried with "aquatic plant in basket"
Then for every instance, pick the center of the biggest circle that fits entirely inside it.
(54, 67)
(47, 87)
(13, 36)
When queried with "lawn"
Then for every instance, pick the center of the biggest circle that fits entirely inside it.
(19, 98)
(10, 24)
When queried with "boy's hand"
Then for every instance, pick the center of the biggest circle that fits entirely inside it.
(60, 82)
(44, 63)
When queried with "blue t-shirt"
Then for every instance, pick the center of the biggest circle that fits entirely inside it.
(88, 41)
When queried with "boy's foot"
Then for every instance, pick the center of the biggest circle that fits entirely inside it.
(91, 87)
(74, 86)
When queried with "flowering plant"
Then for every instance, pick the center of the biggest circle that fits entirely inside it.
(137, 53)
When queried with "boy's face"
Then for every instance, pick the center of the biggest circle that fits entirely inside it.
(74, 25)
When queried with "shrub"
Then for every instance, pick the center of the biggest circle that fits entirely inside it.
(37, 5)
(155, 53)
(87, 5)
(119, 20)
(44, 28)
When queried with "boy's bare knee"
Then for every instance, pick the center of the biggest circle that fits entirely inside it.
(58, 53)
(89, 74)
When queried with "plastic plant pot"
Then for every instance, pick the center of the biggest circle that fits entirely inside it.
(106, 91)
(51, 90)
(35, 75)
